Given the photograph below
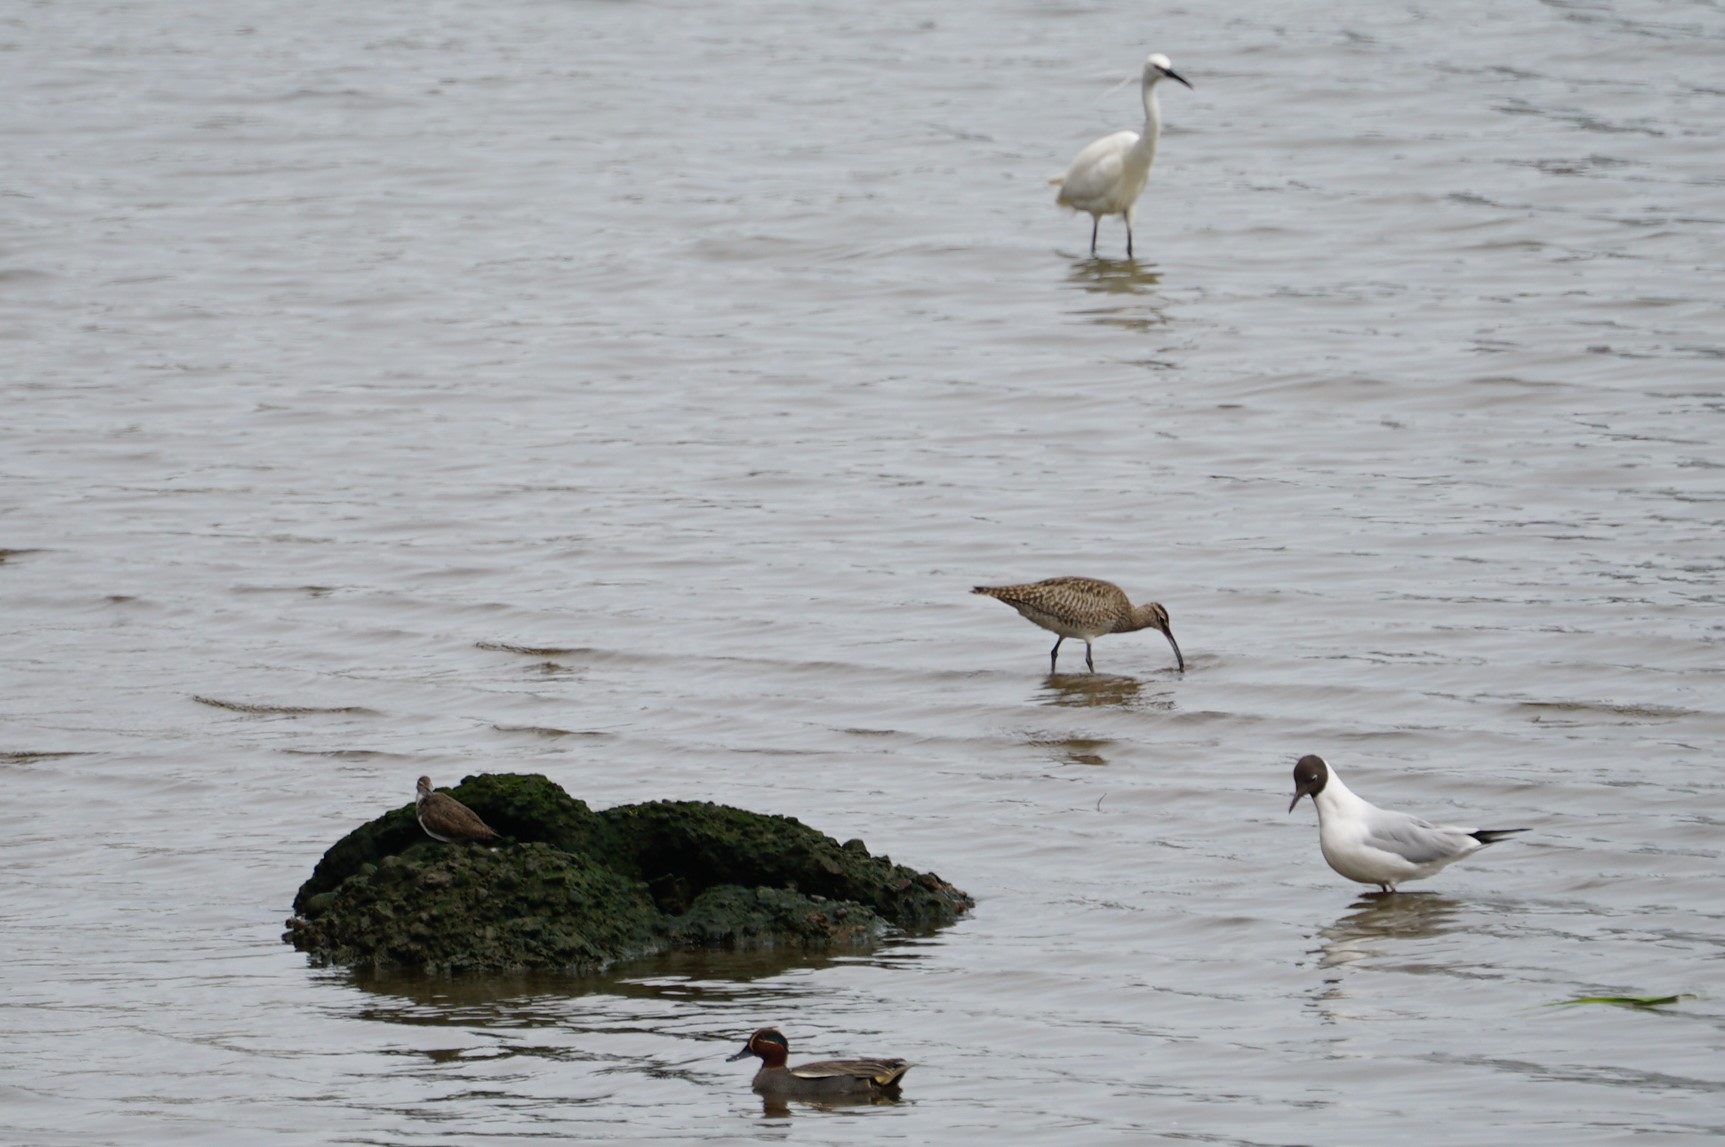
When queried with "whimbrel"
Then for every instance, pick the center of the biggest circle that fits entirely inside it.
(1082, 607)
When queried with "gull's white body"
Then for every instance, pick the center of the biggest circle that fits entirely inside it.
(1109, 175)
(1380, 846)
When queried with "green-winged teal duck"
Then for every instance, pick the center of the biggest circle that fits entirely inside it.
(824, 1080)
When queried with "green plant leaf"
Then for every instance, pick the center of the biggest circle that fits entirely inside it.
(1625, 1001)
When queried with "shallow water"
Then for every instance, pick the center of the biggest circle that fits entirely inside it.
(632, 392)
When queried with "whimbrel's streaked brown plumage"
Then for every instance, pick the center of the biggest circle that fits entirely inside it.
(447, 819)
(1082, 607)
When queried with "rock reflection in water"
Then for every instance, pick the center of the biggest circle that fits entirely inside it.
(413, 997)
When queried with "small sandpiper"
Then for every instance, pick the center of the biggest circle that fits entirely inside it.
(1082, 607)
(447, 819)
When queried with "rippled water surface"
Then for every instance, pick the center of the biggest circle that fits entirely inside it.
(631, 392)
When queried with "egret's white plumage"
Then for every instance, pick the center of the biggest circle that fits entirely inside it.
(1108, 176)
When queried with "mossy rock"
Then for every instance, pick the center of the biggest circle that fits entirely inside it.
(465, 908)
(577, 890)
(682, 848)
(524, 807)
(729, 916)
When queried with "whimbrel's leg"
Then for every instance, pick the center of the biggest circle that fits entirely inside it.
(1087, 660)
(1054, 656)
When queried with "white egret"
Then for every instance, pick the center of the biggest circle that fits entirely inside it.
(1108, 176)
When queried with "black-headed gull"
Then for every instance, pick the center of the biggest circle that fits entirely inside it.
(1375, 845)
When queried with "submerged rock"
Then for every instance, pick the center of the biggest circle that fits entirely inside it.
(577, 890)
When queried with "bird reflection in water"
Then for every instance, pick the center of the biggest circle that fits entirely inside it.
(1377, 918)
(1111, 277)
(778, 1107)
(1133, 301)
(1090, 690)
(1070, 690)
(1072, 750)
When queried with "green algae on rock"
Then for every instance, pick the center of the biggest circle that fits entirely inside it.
(456, 908)
(577, 890)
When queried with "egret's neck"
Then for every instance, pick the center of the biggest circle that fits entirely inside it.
(1152, 120)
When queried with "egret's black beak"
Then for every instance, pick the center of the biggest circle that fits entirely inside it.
(1173, 75)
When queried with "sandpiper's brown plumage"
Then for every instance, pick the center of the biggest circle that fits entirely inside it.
(445, 818)
(827, 1079)
(1082, 607)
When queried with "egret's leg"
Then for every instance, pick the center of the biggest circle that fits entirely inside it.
(1095, 222)
(1129, 236)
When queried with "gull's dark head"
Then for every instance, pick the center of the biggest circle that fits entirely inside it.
(1310, 777)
